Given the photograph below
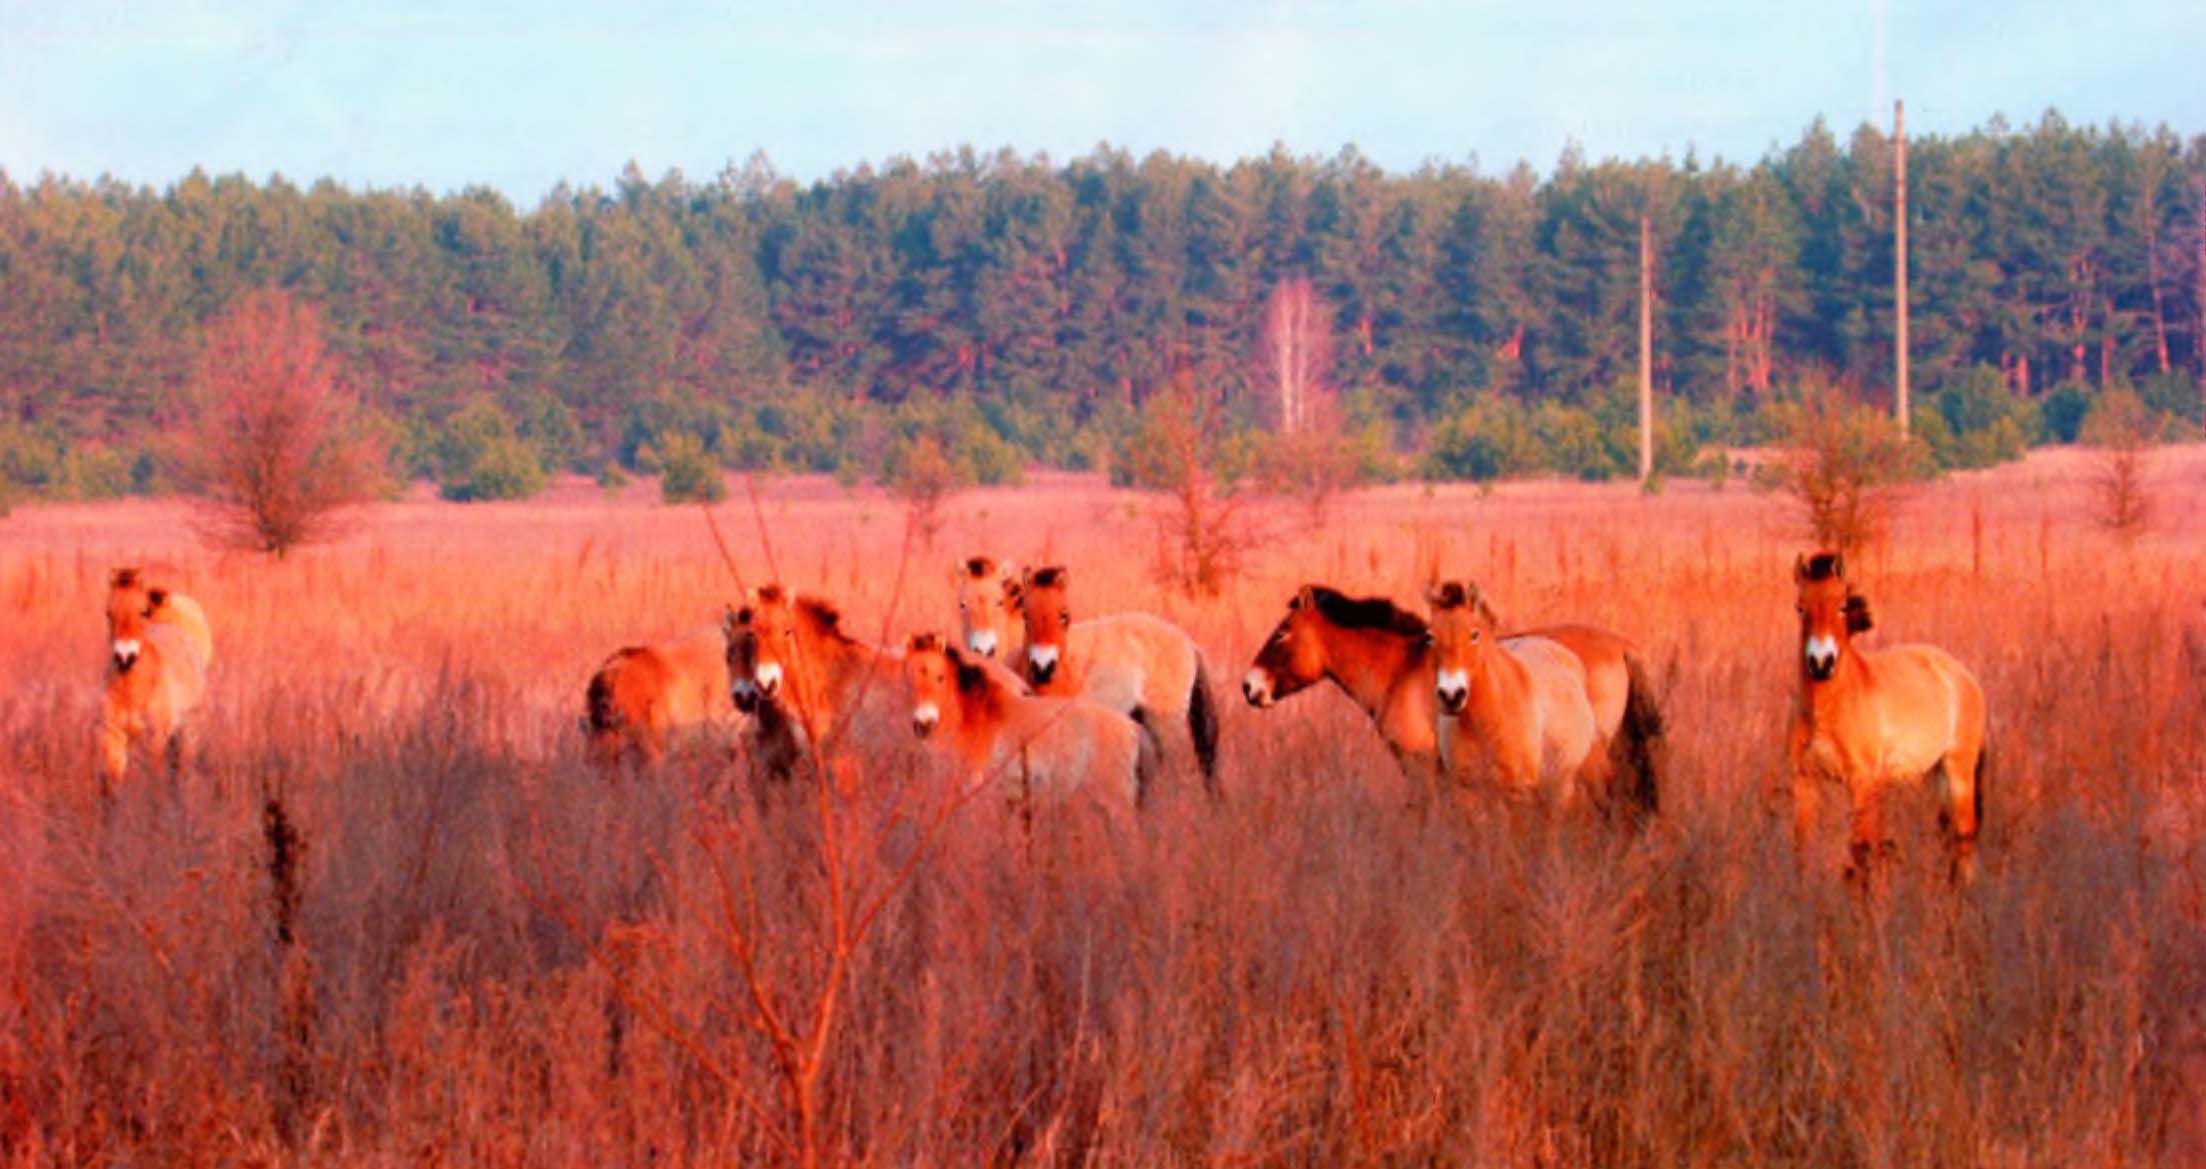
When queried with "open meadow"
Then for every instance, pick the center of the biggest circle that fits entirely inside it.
(389, 913)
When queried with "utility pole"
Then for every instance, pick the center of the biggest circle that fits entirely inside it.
(1899, 254)
(2199, 345)
(1646, 353)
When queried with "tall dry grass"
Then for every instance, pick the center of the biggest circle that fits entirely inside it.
(389, 915)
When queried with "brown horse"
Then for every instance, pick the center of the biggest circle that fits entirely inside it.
(644, 695)
(1052, 747)
(1142, 665)
(1872, 719)
(1376, 653)
(158, 649)
(1512, 711)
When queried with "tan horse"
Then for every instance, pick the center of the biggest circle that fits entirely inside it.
(644, 695)
(159, 646)
(1377, 654)
(1872, 719)
(1051, 747)
(1142, 665)
(1512, 711)
(987, 606)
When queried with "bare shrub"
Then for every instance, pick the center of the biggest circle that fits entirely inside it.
(1847, 465)
(277, 448)
(923, 479)
(2123, 430)
(1203, 529)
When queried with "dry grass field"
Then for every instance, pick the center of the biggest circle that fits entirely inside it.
(388, 914)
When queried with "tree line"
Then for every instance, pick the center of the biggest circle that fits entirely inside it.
(1013, 309)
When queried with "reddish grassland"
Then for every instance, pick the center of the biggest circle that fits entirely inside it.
(389, 914)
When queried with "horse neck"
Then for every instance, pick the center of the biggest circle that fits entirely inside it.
(1847, 683)
(1501, 686)
(1369, 664)
(981, 712)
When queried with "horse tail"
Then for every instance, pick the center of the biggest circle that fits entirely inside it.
(1976, 794)
(1202, 726)
(605, 721)
(1148, 755)
(1635, 744)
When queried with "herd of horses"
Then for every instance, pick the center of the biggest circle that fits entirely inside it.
(1559, 716)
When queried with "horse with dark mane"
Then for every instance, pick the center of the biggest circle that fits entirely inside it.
(1378, 654)
(1872, 719)
(159, 647)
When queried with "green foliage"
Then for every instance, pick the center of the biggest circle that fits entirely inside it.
(479, 456)
(2176, 396)
(1973, 421)
(688, 472)
(1490, 439)
(2063, 412)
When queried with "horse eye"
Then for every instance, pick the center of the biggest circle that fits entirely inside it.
(1476, 635)
(1065, 619)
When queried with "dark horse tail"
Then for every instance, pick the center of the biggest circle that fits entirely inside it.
(1634, 748)
(604, 709)
(1202, 726)
(1150, 757)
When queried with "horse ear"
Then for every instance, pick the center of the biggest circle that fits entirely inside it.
(122, 578)
(1304, 598)
(1838, 566)
(155, 598)
(730, 621)
(1857, 614)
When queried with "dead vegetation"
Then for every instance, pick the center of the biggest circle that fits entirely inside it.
(452, 940)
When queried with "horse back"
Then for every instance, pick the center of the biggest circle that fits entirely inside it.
(1157, 655)
(1922, 690)
(1069, 743)
(184, 613)
(1606, 657)
(1558, 692)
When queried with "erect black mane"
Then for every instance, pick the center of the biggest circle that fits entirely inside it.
(1366, 612)
(1049, 576)
(824, 615)
(1824, 566)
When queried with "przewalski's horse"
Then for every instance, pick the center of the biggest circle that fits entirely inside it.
(158, 649)
(1051, 747)
(644, 695)
(1376, 653)
(1872, 719)
(1140, 664)
(987, 606)
(1513, 712)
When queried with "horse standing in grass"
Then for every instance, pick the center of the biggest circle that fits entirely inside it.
(1141, 665)
(1513, 711)
(1875, 719)
(1052, 747)
(643, 695)
(159, 646)
(1377, 653)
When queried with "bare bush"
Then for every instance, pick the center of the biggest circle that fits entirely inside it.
(1847, 466)
(2123, 430)
(923, 478)
(1203, 529)
(277, 448)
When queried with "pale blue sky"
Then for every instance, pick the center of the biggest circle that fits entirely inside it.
(522, 95)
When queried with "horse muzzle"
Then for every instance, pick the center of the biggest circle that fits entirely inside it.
(982, 642)
(745, 696)
(1256, 687)
(1452, 701)
(924, 720)
(1041, 664)
(1822, 658)
(768, 677)
(126, 654)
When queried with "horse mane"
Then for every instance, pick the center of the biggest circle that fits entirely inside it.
(825, 617)
(979, 567)
(1824, 566)
(1049, 576)
(1365, 612)
(123, 578)
(1857, 614)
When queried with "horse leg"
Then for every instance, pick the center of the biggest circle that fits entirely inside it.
(1868, 846)
(1961, 807)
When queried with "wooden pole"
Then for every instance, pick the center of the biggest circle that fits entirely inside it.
(1646, 352)
(1899, 256)
(2199, 345)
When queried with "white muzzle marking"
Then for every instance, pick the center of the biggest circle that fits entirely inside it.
(1042, 657)
(924, 718)
(1453, 688)
(769, 677)
(1256, 686)
(982, 642)
(1822, 654)
(126, 651)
